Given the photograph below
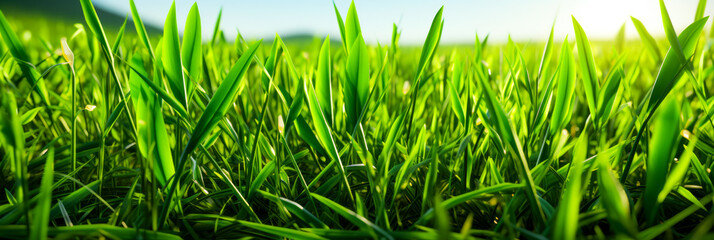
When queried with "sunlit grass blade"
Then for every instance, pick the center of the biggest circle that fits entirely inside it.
(591, 83)
(427, 53)
(323, 81)
(566, 88)
(151, 131)
(454, 94)
(215, 110)
(191, 49)
(505, 130)
(353, 31)
(140, 28)
(647, 39)
(171, 58)
(356, 86)
(661, 152)
(324, 133)
(670, 71)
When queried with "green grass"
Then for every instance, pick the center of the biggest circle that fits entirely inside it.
(162, 136)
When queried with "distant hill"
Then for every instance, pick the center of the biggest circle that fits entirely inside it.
(63, 10)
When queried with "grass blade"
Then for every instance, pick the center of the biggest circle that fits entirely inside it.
(191, 54)
(152, 138)
(587, 67)
(660, 155)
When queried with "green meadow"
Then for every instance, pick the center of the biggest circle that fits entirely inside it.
(126, 132)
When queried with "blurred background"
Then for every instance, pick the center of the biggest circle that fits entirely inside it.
(524, 20)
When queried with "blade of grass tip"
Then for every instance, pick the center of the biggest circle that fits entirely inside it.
(509, 136)
(152, 138)
(356, 88)
(674, 42)
(324, 134)
(700, 9)
(547, 53)
(353, 32)
(427, 52)
(17, 50)
(217, 28)
(661, 151)
(620, 39)
(137, 69)
(613, 197)
(647, 39)
(323, 81)
(41, 221)
(671, 33)
(171, 58)
(120, 36)
(566, 220)
(668, 74)
(608, 95)
(566, 87)
(191, 54)
(140, 29)
(587, 67)
(273, 59)
(217, 107)
(341, 25)
(454, 94)
(356, 219)
(90, 16)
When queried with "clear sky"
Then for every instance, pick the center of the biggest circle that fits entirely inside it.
(524, 20)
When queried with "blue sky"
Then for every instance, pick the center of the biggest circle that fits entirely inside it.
(524, 20)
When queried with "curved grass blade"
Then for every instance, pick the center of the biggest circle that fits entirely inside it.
(323, 81)
(152, 138)
(140, 29)
(454, 94)
(353, 32)
(566, 88)
(647, 39)
(324, 134)
(171, 58)
(191, 54)
(215, 110)
(356, 88)
(427, 53)
(587, 67)
(669, 73)
(503, 127)
(353, 217)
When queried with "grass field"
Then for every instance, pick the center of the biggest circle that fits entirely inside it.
(164, 137)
